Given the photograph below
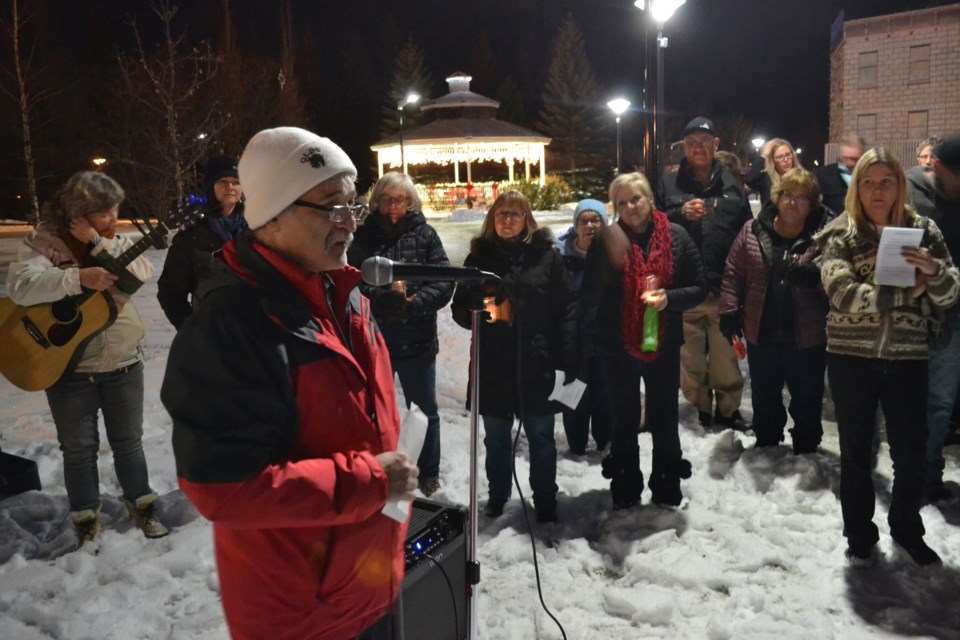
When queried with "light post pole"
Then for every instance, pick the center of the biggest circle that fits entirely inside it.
(618, 106)
(660, 11)
(412, 98)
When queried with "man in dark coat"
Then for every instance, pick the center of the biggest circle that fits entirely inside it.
(407, 312)
(935, 193)
(834, 178)
(709, 203)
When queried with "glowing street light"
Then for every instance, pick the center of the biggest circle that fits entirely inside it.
(757, 143)
(99, 163)
(618, 106)
(412, 98)
(660, 11)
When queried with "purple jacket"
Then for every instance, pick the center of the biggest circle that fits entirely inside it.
(746, 279)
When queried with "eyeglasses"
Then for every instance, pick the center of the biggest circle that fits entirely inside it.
(338, 213)
(782, 157)
(797, 200)
(698, 144)
(503, 216)
(386, 202)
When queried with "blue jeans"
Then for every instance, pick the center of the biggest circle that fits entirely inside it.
(75, 401)
(944, 371)
(543, 458)
(418, 379)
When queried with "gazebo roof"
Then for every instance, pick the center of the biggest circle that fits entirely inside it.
(463, 131)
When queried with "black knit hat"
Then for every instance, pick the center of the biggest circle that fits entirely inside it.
(948, 152)
(218, 168)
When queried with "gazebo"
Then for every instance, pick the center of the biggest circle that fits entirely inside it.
(464, 131)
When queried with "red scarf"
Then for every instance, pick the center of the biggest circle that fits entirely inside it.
(659, 262)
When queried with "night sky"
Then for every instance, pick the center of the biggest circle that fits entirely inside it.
(767, 60)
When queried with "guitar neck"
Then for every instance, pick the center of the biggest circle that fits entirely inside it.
(141, 245)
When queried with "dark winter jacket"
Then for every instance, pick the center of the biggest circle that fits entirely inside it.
(601, 299)
(746, 281)
(726, 212)
(543, 335)
(411, 240)
(276, 422)
(833, 188)
(759, 180)
(189, 262)
(573, 259)
(929, 203)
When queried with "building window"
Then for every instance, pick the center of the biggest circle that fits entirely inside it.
(917, 125)
(919, 70)
(868, 70)
(867, 127)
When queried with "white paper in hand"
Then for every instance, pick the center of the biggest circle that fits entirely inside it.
(569, 394)
(891, 267)
(413, 429)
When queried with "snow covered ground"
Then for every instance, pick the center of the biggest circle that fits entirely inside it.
(756, 552)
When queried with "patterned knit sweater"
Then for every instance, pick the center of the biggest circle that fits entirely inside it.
(878, 321)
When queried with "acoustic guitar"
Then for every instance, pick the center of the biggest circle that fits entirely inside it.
(42, 342)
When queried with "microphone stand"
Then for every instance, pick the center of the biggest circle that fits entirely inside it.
(473, 567)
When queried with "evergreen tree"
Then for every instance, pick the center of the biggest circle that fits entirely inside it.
(573, 112)
(409, 75)
(483, 66)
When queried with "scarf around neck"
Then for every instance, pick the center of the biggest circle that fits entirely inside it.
(658, 262)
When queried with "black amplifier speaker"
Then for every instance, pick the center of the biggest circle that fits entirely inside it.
(432, 609)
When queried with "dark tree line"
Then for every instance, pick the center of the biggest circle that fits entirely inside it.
(158, 92)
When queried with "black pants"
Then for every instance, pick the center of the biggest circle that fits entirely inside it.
(621, 375)
(772, 366)
(900, 388)
(592, 414)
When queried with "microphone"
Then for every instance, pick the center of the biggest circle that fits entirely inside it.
(379, 271)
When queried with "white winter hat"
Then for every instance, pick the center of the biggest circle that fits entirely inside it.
(280, 165)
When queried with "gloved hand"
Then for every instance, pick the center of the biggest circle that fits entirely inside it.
(731, 326)
(803, 275)
(393, 305)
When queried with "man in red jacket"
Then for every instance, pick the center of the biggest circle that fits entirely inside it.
(285, 423)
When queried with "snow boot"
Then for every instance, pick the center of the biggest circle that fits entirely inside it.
(626, 483)
(665, 481)
(143, 513)
(86, 524)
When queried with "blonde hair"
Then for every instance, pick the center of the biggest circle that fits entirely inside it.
(901, 212)
(625, 180)
(798, 179)
(506, 198)
(395, 179)
(770, 165)
(84, 194)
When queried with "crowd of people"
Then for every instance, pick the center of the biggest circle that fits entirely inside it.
(293, 452)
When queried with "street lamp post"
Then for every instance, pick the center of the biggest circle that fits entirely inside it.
(412, 98)
(660, 11)
(618, 106)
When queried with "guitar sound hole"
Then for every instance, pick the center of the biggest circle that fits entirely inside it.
(65, 310)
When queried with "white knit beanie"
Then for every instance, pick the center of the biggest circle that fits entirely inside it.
(280, 165)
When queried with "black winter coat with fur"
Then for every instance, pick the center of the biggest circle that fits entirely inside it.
(518, 360)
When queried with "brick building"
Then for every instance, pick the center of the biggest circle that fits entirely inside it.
(895, 79)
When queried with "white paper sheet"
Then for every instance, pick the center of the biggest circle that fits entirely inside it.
(892, 268)
(568, 395)
(413, 429)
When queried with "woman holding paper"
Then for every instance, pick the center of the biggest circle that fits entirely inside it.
(877, 353)
(529, 334)
(641, 274)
